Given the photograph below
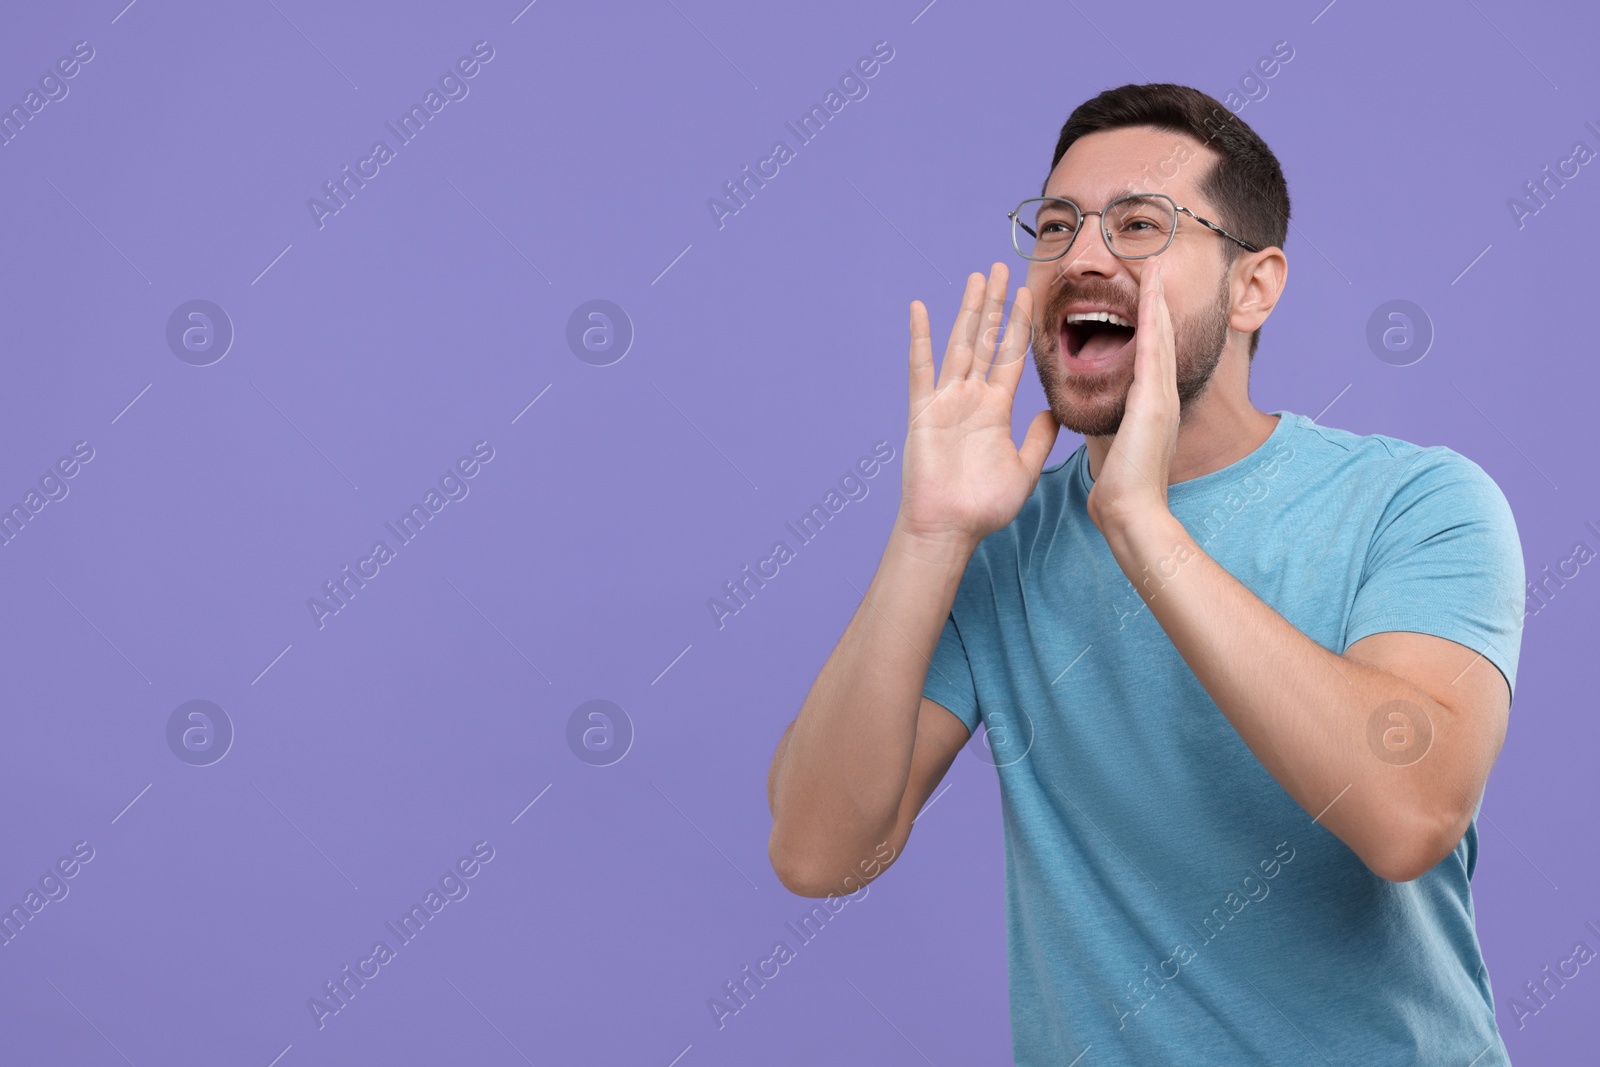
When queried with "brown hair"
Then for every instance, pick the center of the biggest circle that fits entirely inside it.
(1246, 186)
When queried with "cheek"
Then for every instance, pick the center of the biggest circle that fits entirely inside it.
(1041, 282)
(1191, 287)
(1042, 278)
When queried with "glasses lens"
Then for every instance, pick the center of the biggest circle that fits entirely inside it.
(1140, 225)
(1053, 224)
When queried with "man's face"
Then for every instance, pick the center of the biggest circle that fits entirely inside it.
(1086, 378)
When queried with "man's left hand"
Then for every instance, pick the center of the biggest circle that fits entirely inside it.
(1132, 483)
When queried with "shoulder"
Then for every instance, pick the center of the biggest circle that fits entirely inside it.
(1394, 468)
(1426, 500)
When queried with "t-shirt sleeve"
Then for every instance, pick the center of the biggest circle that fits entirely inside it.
(1445, 559)
(950, 681)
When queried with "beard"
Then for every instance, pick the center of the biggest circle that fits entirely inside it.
(1094, 405)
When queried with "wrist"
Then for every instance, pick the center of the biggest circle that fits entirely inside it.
(1128, 529)
(944, 547)
(1115, 517)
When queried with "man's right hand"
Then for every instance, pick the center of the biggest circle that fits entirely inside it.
(868, 748)
(962, 477)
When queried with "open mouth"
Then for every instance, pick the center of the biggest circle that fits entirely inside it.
(1095, 336)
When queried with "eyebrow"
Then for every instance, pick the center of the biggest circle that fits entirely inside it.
(1122, 190)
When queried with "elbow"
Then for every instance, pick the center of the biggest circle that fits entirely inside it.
(1405, 857)
(803, 884)
(803, 880)
(796, 875)
(1401, 868)
(811, 878)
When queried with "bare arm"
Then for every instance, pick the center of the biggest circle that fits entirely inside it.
(1307, 713)
(866, 749)
(863, 754)
(940, 737)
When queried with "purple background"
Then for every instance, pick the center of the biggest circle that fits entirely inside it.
(768, 356)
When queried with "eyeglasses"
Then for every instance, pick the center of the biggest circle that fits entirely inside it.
(1136, 226)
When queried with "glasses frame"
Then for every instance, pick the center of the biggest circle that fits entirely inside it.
(1104, 234)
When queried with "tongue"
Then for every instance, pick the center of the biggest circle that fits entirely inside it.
(1105, 342)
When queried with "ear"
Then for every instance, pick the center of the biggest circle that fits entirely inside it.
(1258, 281)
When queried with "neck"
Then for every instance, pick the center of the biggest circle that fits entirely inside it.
(1219, 427)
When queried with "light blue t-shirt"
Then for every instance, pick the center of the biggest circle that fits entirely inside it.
(1166, 900)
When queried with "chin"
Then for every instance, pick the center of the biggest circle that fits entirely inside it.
(1100, 418)
(1093, 405)
(1090, 406)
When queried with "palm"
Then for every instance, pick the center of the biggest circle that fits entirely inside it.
(1133, 476)
(964, 477)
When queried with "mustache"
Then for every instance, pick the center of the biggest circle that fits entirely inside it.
(1110, 295)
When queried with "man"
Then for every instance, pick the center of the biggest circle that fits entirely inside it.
(1243, 676)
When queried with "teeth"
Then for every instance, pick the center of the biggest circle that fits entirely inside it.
(1099, 316)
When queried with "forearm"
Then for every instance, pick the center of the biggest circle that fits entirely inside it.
(1304, 711)
(838, 779)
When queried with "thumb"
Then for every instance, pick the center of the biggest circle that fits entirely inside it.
(1040, 439)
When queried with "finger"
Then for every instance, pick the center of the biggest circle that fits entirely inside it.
(1147, 336)
(1168, 348)
(921, 358)
(958, 352)
(994, 304)
(1040, 439)
(1014, 348)
(1172, 336)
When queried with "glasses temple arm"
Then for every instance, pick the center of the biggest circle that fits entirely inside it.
(1219, 229)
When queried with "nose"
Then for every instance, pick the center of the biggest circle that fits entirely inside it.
(1089, 254)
